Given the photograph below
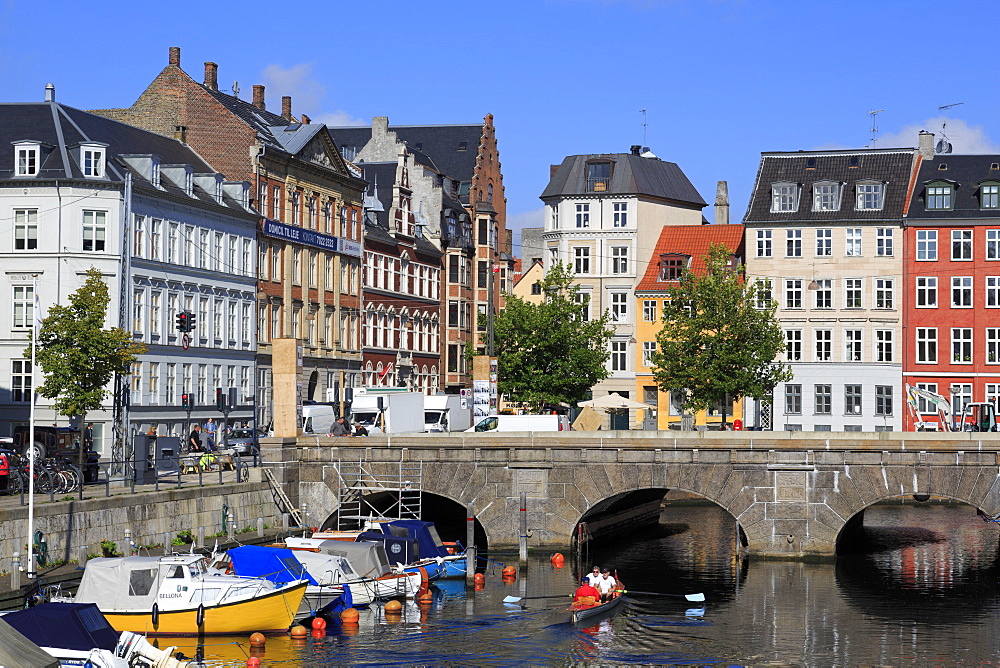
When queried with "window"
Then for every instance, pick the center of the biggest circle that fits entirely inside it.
(989, 196)
(961, 291)
(927, 345)
(961, 244)
(619, 259)
(24, 306)
(553, 255)
(139, 236)
(648, 348)
(852, 345)
(583, 215)
(598, 177)
(154, 383)
(188, 246)
(649, 310)
(993, 292)
(793, 243)
(824, 242)
(25, 229)
(27, 160)
(883, 242)
(620, 214)
(961, 345)
(619, 356)
(852, 400)
(870, 196)
(826, 196)
(671, 267)
(852, 292)
(926, 292)
(993, 393)
(853, 247)
(925, 407)
(884, 293)
(619, 306)
(93, 162)
(793, 399)
(784, 197)
(554, 218)
(155, 238)
(927, 245)
(993, 244)
(793, 345)
(939, 196)
(154, 313)
(793, 293)
(763, 293)
(581, 260)
(296, 266)
(583, 299)
(94, 230)
(883, 400)
(961, 395)
(823, 399)
(20, 381)
(992, 345)
(824, 293)
(824, 344)
(884, 345)
(763, 243)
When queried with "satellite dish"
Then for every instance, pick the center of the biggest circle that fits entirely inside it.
(942, 146)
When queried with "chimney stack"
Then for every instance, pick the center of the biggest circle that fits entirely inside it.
(180, 133)
(925, 145)
(305, 119)
(722, 203)
(635, 148)
(286, 107)
(50, 92)
(175, 56)
(258, 96)
(211, 76)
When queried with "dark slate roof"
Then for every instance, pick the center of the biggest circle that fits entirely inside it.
(441, 143)
(293, 137)
(966, 172)
(892, 166)
(630, 175)
(384, 175)
(261, 120)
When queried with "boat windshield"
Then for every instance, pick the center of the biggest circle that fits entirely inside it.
(197, 568)
(432, 530)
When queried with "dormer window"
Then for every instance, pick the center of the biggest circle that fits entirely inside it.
(989, 195)
(92, 161)
(784, 197)
(870, 196)
(939, 196)
(826, 196)
(598, 177)
(154, 176)
(26, 159)
(189, 183)
(672, 265)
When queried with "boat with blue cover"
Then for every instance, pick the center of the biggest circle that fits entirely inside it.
(416, 544)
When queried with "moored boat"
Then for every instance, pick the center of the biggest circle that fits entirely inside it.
(588, 610)
(415, 544)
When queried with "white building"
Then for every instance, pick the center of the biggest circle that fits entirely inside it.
(191, 246)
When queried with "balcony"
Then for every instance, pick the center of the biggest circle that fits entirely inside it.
(598, 184)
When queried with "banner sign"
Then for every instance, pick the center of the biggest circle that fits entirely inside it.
(273, 228)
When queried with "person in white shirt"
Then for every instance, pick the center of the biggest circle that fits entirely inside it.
(605, 584)
(594, 576)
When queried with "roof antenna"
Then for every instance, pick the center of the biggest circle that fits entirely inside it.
(643, 112)
(943, 145)
(874, 115)
(236, 89)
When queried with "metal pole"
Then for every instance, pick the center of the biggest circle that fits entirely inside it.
(470, 547)
(523, 539)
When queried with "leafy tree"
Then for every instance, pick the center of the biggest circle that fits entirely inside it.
(548, 353)
(715, 342)
(77, 355)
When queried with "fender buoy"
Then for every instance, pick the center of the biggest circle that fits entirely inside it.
(156, 615)
(200, 618)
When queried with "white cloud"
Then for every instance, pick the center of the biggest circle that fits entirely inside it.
(338, 119)
(964, 138)
(307, 94)
(532, 218)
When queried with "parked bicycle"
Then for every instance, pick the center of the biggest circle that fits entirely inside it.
(51, 476)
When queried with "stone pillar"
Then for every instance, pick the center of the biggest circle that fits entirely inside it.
(286, 366)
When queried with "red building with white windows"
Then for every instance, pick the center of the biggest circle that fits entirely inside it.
(952, 281)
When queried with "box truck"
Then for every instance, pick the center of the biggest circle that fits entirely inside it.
(521, 423)
(318, 419)
(444, 412)
(389, 411)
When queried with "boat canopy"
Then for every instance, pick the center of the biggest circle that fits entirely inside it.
(367, 559)
(277, 564)
(76, 626)
(133, 583)
(407, 541)
(16, 650)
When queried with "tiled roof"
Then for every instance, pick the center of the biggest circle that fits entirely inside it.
(966, 172)
(630, 175)
(261, 120)
(692, 240)
(890, 166)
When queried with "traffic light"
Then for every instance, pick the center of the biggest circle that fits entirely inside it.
(183, 324)
(192, 321)
(220, 399)
(187, 400)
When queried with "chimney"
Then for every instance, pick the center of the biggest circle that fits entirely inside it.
(258, 97)
(305, 119)
(380, 125)
(634, 149)
(286, 107)
(925, 145)
(211, 76)
(722, 203)
(175, 56)
(180, 133)
(552, 171)
(50, 92)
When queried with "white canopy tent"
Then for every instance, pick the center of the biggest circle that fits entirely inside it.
(613, 401)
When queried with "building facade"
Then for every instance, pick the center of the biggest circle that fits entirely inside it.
(824, 237)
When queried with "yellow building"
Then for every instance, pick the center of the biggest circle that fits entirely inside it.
(528, 286)
(679, 247)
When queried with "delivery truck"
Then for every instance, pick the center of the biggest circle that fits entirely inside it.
(444, 412)
(388, 410)
(521, 423)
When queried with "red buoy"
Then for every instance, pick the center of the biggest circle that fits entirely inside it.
(318, 623)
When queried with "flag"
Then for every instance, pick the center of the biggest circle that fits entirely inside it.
(38, 312)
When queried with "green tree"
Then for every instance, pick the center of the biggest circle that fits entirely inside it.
(715, 342)
(77, 355)
(548, 353)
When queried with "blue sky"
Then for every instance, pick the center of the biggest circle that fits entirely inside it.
(721, 80)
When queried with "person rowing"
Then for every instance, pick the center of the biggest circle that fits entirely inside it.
(586, 594)
(606, 584)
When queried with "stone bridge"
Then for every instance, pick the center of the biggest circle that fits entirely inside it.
(792, 493)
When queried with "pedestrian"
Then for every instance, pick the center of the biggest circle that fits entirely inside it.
(194, 440)
(340, 428)
(605, 585)
(359, 430)
(88, 437)
(210, 432)
(594, 575)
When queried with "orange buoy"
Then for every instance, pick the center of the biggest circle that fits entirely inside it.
(558, 556)
(349, 616)
(509, 571)
(298, 631)
(252, 662)
(256, 639)
(479, 577)
(318, 634)
(509, 579)
(393, 617)
(318, 623)
(425, 599)
(393, 607)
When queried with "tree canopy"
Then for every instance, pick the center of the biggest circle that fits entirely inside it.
(549, 353)
(719, 339)
(78, 356)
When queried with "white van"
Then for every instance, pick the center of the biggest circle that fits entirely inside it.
(521, 423)
(317, 419)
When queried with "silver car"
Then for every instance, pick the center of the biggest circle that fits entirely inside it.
(244, 442)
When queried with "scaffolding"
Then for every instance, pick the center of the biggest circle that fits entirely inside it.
(384, 491)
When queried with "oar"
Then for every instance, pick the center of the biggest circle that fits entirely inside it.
(691, 597)
(515, 599)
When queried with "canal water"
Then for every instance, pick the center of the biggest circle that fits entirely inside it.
(918, 587)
